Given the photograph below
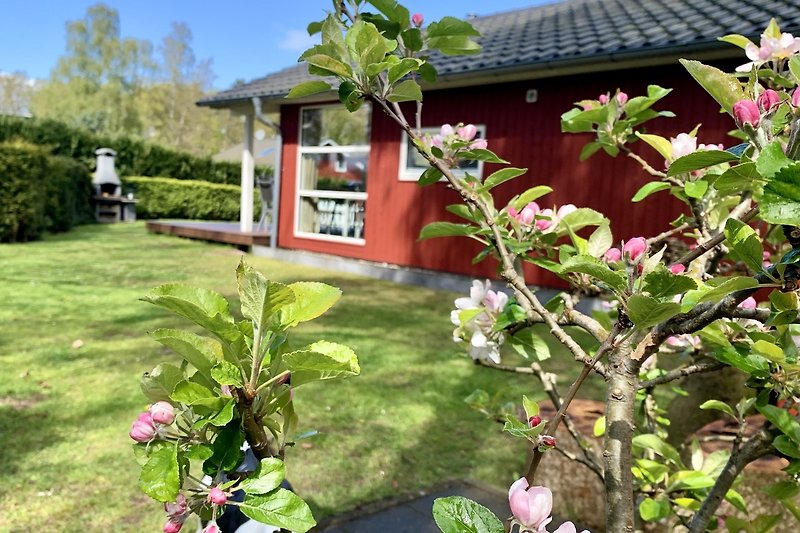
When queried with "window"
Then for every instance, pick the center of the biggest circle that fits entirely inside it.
(332, 173)
(412, 164)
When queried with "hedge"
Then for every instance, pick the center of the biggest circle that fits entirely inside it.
(40, 193)
(190, 199)
(134, 156)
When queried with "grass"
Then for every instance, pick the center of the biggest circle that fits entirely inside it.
(65, 460)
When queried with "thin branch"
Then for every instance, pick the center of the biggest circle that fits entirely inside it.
(505, 368)
(715, 240)
(588, 464)
(672, 375)
(646, 166)
(667, 234)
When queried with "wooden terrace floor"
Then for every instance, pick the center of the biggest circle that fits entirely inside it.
(225, 232)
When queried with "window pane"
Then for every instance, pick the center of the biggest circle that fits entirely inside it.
(334, 171)
(334, 126)
(332, 216)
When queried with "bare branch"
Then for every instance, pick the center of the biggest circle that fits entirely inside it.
(667, 234)
(703, 366)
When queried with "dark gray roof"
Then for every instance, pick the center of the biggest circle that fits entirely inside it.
(578, 31)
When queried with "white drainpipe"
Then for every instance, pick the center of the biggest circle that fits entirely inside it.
(276, 172)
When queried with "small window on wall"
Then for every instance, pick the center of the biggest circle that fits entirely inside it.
(332, 173)
(412, 164)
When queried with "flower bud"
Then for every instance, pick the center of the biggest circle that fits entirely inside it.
(212, 527)
(143, 429)
(746, 112)
(446, 130)
(622, 98)
(531, 506)
(534, 421)
(565, 210)
(767, 100)
(603, 99)
(613, 255)
(634, 248)
(796, 98)
(748, 303)
(178, 508)
(479, 144)
(162, 412)
(172, 526)
(548, 441)
(217, 496)
(417, 19)
(544, 223)
(468, 132)
(677, 268)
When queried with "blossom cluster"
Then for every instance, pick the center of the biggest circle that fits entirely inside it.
(685, 144)
(146, 426)
(533, 218)
(454, 140)
(532, 507)
(771, 48)
(179, 510)
(474, 318)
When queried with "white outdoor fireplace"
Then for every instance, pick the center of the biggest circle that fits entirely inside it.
(109, 204)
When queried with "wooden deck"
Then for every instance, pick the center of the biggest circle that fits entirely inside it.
(225, 232)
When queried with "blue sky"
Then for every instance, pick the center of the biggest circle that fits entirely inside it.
(245, 38)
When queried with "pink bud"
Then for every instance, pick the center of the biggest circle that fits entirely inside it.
(565, 210)
(468, 132)
(534, 421)
(766, 256)
(437, 141)
(217, 496)
(531, 506)
(613, 255)
(178, 508)
(634, 248)
(796, 98)
(603, 98)
(622, 98)
(172, 526)
(446, 130)
(677, 268)
(417, 19)
(548, 441)
(225, 390)
(748, 303)
(746, 112)
(544, 223)
(143, 430)
(162, 412)
(212, 527)
(767, 100)
(480, 144)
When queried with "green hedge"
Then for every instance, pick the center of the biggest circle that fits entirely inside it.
(134, 157)
(40, 193)
(172, 198)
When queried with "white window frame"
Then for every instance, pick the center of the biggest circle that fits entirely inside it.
(413, 174)
(301, 193)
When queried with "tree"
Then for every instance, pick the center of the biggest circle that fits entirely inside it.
(16, 91)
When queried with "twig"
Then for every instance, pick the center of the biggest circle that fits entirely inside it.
(711, 243)
(672, 375)
(646, 166)
(667, 234)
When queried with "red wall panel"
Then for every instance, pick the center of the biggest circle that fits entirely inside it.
(527, 135)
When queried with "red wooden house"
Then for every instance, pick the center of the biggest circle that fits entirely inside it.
(346, 184)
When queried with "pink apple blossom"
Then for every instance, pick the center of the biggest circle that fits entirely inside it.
(143, 429)
(446, 130)
(468, 132)
(683, 144)
(177, 508)
(479, 144)
(565, 210)
(544, 223)
(796, 98)
(212, 527)
(748, 303)
(172, 526)
(603, 99)
(568, 527)
(767, 100)
(746, 112)
(417, 19)
(531, 506)
(677, 268)
(162, 412)
(634, 248)
(217, 496)
(622, 98)
(613, 255)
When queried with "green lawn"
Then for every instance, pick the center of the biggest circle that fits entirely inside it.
(65, 457)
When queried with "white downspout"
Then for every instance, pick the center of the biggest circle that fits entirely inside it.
(248, 177)
(276, 172)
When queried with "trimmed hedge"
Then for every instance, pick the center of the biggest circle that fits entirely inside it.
(40, 193)
(190, 199)
(134, 157)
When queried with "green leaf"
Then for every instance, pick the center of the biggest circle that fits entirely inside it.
(454, 45)
(267, 477)
(690, 480)
(599, 428)
(393, 11)
(365, 44)
(659, 143)
(529, 344)
(160, 478)
(481, 154)
(586, 264)
(280, 508)
(412, 39)
(321, 360)
(531, 407)
(781, 419)
(329, 65)
(311, 300)
(226, 373)
(639, 104)
(782, 490)
(781, 201)
(427, 72)
(653, 443)
(660, 283)
(224, 416)
(457, 514)
(447, 229)
(724, 88)
(736, 499)
(742, 177)
(649, 188)
(207, 308)
(402, 68)
(645, 311)
(501, 176)
(582, 217)
(735, 39)
(227, 450)
(529, 196)
(695, 189)
(588, 150)
(699, 160)
(772, 159)
(654, 510)
(718, 406)
(461, 210)
(200, 352)
(730, 285)
(191, 393)
(405, 91)
(430, 176)
(260, 298)
(158, 384)
(600, 240)
(745, 243)
(448, 26)
(794, 67)
(307, 88)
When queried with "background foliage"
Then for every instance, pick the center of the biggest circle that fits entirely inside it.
(192, 199)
